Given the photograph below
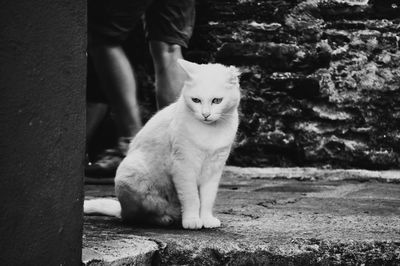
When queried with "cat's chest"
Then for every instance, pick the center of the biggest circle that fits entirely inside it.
(213, 164)
(210, 137)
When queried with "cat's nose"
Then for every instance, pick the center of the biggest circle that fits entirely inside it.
(205, 115)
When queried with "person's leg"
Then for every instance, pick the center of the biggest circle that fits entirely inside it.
(169, 76)
(109, 25)
(117, 79)
(118, 82)
(169, 26)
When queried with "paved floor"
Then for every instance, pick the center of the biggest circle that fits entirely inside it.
(266, 221)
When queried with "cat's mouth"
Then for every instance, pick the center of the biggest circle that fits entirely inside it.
(207, 121)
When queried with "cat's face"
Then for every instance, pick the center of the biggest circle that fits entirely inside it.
(211, 92)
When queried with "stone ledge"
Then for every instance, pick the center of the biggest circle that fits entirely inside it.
(266, 220)
(296, 173)
(129, 250)
(313, 174)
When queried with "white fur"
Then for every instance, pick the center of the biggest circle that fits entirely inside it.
(174, 164)
(104, 206)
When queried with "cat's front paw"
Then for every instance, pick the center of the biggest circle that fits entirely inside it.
(210, 222)
(192, 223)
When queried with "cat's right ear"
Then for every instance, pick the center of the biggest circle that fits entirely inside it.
(189, 67)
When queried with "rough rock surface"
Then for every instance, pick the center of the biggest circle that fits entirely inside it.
(264, 222)
(320, 78)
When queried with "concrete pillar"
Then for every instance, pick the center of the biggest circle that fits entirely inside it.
(42, 127)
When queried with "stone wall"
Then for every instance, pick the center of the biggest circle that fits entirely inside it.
(320, 78)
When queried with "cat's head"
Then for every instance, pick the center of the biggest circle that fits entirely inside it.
(211, 91)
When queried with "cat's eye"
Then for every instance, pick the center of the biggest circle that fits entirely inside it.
(216, 100)
(196, 100)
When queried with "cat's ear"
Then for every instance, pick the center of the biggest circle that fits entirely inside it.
(235, 74)
(189, 67)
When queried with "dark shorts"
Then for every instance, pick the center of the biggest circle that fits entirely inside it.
(170, 21)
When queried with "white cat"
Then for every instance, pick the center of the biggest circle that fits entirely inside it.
(174, 164)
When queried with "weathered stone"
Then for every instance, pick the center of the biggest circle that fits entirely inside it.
(295, 85)
(275, 138)
(343, 8)
(314, 128)
(385, 158)
(325, 112)
(313, 71)
(269, 55)
(338, 36)
(335, 148)
(270, 216)
(309, 174)
(102, 249)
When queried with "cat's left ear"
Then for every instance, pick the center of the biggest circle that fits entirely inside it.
(235, 74)
(189, 67)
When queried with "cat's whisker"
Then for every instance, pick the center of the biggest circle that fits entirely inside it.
(228, 114)
(222, 118)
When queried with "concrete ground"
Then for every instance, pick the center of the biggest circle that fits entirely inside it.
(296, 216)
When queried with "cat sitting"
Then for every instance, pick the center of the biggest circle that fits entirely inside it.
(174, 164)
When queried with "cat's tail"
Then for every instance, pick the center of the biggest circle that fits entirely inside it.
(103, 206)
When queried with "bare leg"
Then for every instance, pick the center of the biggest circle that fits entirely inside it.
(169, 76)
(116, 74)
